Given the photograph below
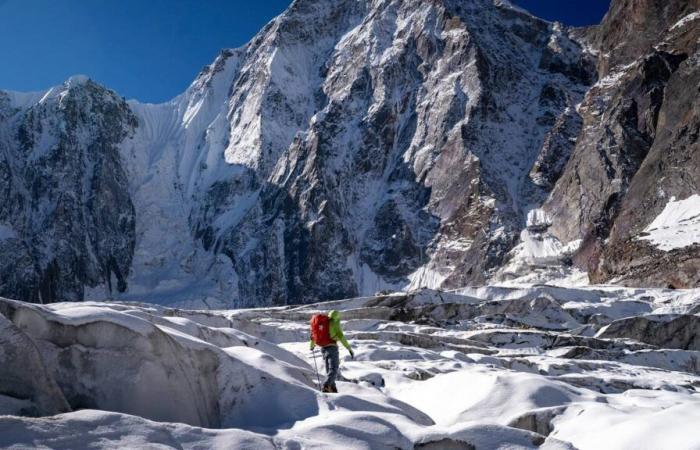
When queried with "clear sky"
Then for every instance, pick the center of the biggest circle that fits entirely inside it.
(151, 50)
(570, 12)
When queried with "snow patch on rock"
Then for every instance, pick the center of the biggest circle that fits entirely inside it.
(677, 226)
(686, 20)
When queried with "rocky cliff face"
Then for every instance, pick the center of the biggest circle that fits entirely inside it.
(66, 215)
(639, 146)
(353, 146)
(411, 166)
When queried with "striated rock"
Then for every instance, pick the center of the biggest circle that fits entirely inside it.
(637, 149)
(673, 162)
(667, 331)
(631, 29)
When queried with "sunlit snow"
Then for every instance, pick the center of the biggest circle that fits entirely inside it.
(488, 367)
(677, 226)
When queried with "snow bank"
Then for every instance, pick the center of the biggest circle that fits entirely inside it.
(636, 419)
(101, 429)
(112, 360)
(677, 226)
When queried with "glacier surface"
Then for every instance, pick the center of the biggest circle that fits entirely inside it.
(495, 367)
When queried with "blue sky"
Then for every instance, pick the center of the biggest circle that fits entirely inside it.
(570, 12)
(151, 50)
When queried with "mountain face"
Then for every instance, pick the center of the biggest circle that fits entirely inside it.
(67, 218)
(361, 145)
(639, 146)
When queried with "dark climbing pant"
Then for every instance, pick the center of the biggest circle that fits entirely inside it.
(332, 359)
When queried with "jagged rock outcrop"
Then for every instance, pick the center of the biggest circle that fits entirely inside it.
(414, 153)
(358, 146)
(66, 215)
(349, 147)
(639, 145)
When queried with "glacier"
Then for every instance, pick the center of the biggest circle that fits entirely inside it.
(486, 368)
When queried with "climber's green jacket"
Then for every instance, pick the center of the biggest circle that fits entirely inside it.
(335, 331)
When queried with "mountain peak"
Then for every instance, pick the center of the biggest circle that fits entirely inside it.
(356, 146)
(76, 80)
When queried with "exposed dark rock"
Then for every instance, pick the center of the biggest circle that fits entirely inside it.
(682, 331)
(67, 196)
(631, 28)
(638, 147)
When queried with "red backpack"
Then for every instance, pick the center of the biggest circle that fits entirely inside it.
(320, 330)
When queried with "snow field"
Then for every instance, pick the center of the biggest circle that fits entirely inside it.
(432, 370)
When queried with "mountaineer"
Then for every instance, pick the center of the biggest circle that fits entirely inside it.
(326, 332)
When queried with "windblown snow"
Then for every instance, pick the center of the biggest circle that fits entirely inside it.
(485, 368)
(677, 226)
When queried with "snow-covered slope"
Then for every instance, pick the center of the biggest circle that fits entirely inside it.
(356, 146)
(351, 146)
(486, 368)
(66, 213)
(678, 225)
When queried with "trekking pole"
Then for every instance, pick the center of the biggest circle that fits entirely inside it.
(313, 351)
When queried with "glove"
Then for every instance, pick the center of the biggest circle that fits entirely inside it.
(352, 354)
(312, 345)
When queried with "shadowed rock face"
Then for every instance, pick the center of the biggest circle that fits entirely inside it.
(671, 169)
(632, 27)
(65, 195)
(638, 147)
